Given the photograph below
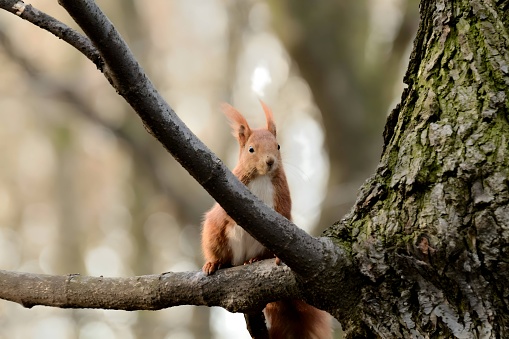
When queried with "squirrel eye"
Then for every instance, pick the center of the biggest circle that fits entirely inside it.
(251, 149)
(278, 147)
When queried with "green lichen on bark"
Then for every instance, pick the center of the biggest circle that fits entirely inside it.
(430, 229)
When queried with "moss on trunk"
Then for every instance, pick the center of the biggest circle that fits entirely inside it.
(430, 229)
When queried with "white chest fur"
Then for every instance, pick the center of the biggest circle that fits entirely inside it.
(243, 245)
(262, 187)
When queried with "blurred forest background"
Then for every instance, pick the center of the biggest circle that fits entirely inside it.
(85, 189)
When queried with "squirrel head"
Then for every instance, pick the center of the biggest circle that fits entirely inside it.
(259, 149)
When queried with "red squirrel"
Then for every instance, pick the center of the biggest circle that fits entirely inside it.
(225, 243)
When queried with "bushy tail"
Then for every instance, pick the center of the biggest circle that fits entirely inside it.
(294, 319)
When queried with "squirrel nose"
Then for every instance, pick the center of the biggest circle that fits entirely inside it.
(270, 162)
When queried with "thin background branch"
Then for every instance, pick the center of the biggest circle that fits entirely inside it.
(67, 93)
(55, 27)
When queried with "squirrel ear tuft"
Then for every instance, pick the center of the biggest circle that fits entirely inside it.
(271, 125)
(240, 127)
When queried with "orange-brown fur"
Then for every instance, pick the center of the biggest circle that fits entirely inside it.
(294, 319)
(290, 318)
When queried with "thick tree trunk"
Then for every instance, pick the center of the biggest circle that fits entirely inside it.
(430, 230)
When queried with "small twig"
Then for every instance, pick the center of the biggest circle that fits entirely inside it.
(55, 27)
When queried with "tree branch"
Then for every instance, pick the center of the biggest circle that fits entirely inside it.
(55, 27)
(307, 256)
(129, 79)
(300, 251)
(240, 289)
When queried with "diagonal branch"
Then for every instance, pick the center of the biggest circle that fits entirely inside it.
(241, 289)
(300, 251)
(307, 256)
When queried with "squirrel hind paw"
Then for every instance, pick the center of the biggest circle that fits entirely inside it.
(210, 267)
(252, 260)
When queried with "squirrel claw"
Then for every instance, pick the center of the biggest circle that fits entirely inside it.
(210, 267)
(252, 260)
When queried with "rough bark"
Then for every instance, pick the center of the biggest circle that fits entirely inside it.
(430, 228)
(241, 289)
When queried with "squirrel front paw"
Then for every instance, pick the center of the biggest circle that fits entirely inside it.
(210, 267)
